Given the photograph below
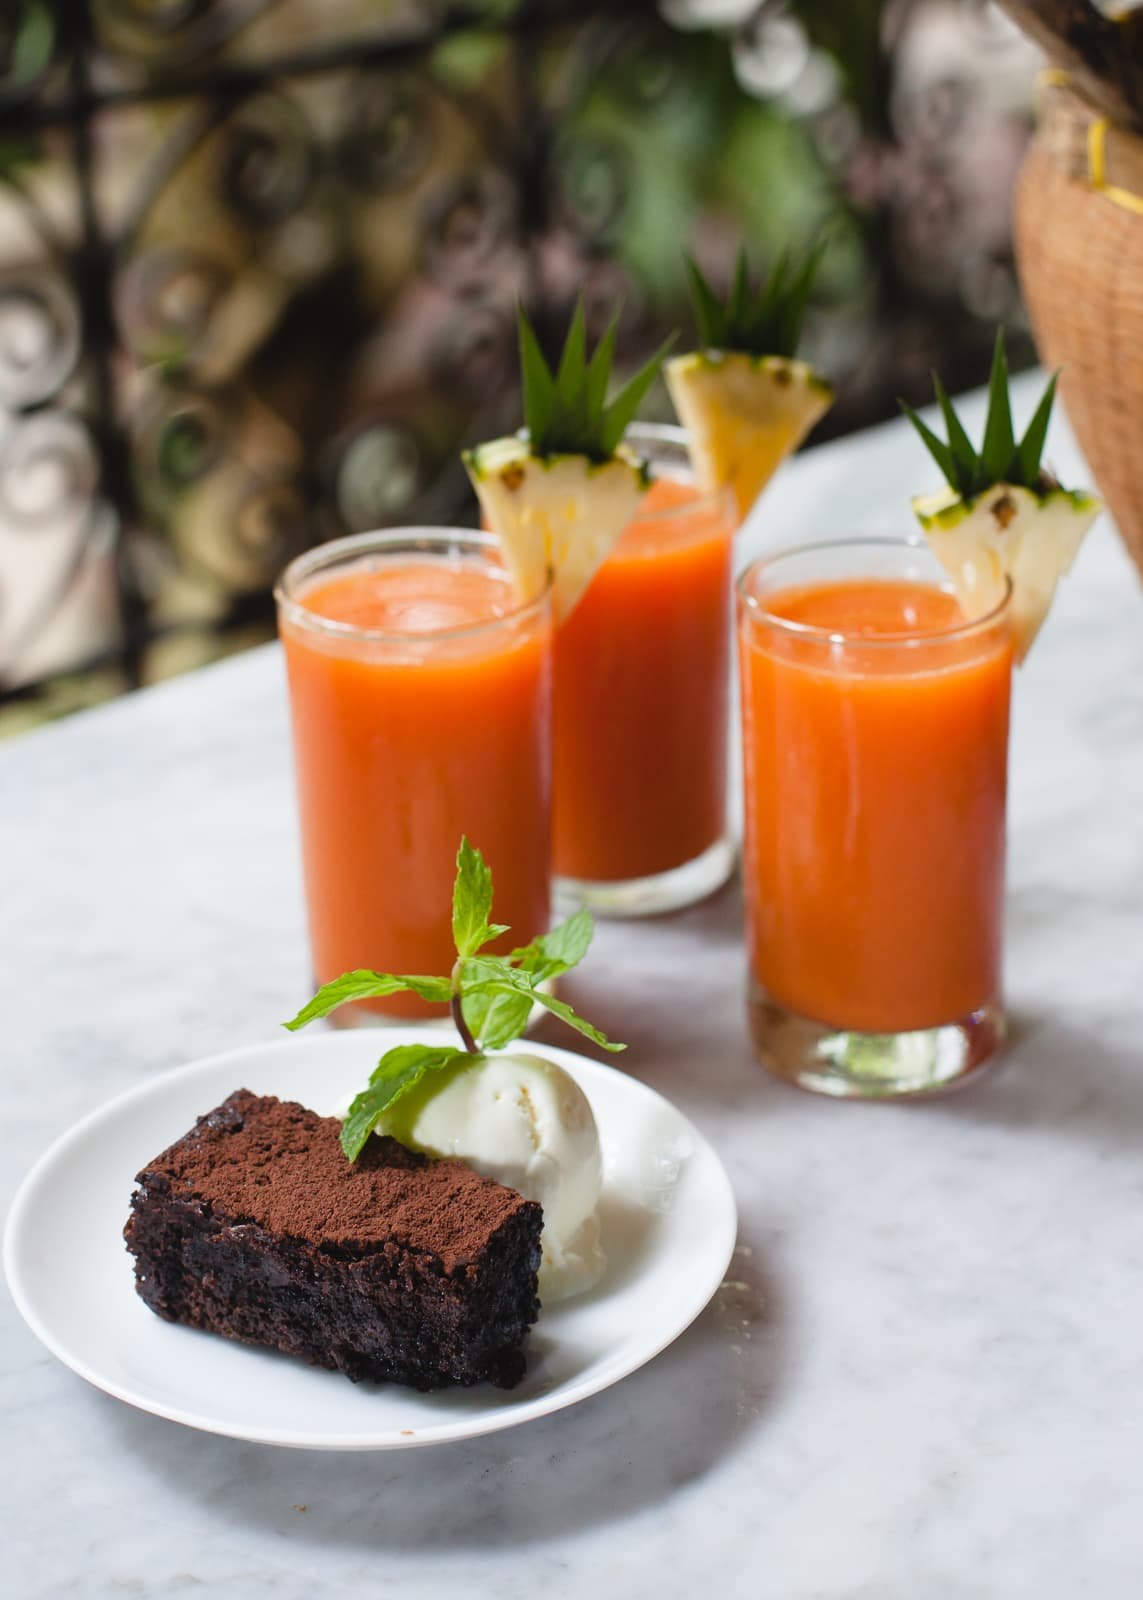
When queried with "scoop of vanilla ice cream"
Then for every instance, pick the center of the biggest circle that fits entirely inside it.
(525, 1122)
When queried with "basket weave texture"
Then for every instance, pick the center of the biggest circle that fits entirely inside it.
(1079, 251)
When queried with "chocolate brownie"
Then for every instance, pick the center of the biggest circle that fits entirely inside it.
(255, 1226)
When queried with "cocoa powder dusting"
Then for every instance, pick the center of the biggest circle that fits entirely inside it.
(271, 1162)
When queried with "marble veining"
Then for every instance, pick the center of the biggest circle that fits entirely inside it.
(923, 1377)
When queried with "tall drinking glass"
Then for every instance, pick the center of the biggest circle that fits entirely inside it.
(420, 692)
(641, 701)
(875, 743)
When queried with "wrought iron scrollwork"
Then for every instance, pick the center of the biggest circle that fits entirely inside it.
(259, 261)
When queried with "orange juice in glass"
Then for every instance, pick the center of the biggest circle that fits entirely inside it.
(420, 694)
(875, 749)
(641, 698)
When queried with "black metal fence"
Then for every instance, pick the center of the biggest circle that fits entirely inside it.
(259, 261)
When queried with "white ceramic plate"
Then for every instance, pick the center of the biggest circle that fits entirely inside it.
(668, 1223)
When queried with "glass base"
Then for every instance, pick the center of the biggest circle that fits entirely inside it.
(650, 897)
(873, 1066)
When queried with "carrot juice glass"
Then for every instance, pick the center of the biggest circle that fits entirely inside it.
(875, 743)
(641, 702)
(420, 693)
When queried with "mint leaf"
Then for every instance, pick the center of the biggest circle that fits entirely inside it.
(398, 1071)
(561, 1009)
(472, 902)
(476, 972)
(505, 1019)
(494, 1018)
(555, 952)
(365, 985)
(495, 976)
(491, 996)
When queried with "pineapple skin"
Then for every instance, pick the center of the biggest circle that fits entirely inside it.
(558, 514)
(1007, 534)
(744, 415)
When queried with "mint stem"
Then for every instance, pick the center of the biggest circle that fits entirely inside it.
(466, 1038)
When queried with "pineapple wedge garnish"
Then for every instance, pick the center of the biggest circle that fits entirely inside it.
(744, 400)
(1001, 518)
(559, 493)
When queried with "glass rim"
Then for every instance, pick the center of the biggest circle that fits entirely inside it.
(671, 434)
(425, 539)
(811, 632)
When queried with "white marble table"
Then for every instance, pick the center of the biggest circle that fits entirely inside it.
(925, 1381)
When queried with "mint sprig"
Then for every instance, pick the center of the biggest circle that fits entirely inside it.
(491, 996)
(565, 411)
(398, 1071)
(1000, 459)
(760, 320)
(366, 985)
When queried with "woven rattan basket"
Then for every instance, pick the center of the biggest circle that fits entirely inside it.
(1079, 250)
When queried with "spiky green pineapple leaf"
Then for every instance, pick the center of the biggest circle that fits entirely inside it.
(621, 412)
(539, 385)
(1000, 458)
(760, 320)
(571, 378)
(709, 313)
(936, 447)
(961, 446)
(565, 412)
(599, 367)
(1031, 447)
(999, 447)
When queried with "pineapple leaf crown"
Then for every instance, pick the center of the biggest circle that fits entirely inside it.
(1000, 458)
(566, 411)
(763, 319)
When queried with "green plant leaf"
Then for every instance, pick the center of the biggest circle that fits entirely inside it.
(560, 1008)
(472, 902)
(999, 448)
(571, 379)
(555, 952)
(765, 320)
(937, 448)
(365, 985)
(565, 413)
(622, 409)
(738, 309)
(539, 385)
(709, 315)
(1000, 459)
(496, 1001)
(496, 994)
(518, 984)
(506, 1018)
(1031, 447)
(960, 445)
(474, 1006)
(599, 368)
(398, 1071)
